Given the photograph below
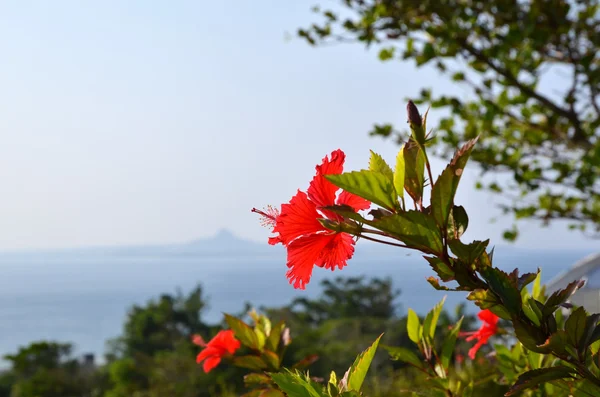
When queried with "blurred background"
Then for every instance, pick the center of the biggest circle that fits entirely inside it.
(137, 136)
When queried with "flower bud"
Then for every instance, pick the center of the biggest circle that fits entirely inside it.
(414, 117)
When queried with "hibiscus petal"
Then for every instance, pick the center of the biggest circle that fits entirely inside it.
(354, 201)
(210, 363)
(207, 352)
(321, 191)
(298, 218)
(488, 316)
(302, 255)
(336, 253)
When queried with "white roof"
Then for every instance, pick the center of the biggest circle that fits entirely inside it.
(587, 269)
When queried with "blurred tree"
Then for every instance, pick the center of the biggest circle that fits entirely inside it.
(161, 324)
(348, 298)
(46, 369)
(510, 55)
(155, 356)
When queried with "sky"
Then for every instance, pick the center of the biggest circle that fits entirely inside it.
(156, 122)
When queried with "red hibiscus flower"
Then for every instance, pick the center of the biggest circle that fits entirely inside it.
(222, 344)
(488, 329)
(297, 227)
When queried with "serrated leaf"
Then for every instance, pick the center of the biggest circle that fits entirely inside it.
(430, 322)
(413, 326)
(378, 164)
(414, 168)
(448, 346)
(255, 379)
(415, 229)
(591, 324)
(250, 362)
(561, 296)
(444, 189)
(536, 377)
(556, 342)
(358, 370)
(458, 221)
(372, 186)
(500, 284)
(575, 326)
(306, 361)
(468, 253)
(435, 283)
(293, 384)
(526, 279)
(440, 267)
(271, 358)
(242, 331)
(530, 336)
(399, 173)
(405, 355)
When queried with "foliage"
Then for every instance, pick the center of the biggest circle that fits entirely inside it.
(509, 55)
(46, 369)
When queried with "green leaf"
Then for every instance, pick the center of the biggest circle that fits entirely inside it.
(444, 189)
(415, 229)
(250, 362)
(405, 355)
(530, 336)
(441, 268)
(530, 312)
(458, 221)
(260, 337)
(271, 358)
(293, 384)
(448, 346)
(372, 186)
(575, 326)
(561, 296)
(435, 283)
(501, 285)
(271, 393)
(590, 327)
(468, 253)
(378, 164)
(556, 342)
(537, 286)
(526, 279)
(399, 173)
(358, 370)
(255, 379)
(243, 332)
(272, 342)
(431, 320)
(536, 377)
(468, 390)
(414, 168)
(413, 326)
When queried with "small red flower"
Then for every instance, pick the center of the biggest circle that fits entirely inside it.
(488, 329)
(297, 227)
(222, 344)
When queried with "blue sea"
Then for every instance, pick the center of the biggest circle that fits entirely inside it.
(83, 297)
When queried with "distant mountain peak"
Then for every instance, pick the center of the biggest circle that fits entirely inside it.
(225, 234)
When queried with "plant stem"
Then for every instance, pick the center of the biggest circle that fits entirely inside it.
(384, 242)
